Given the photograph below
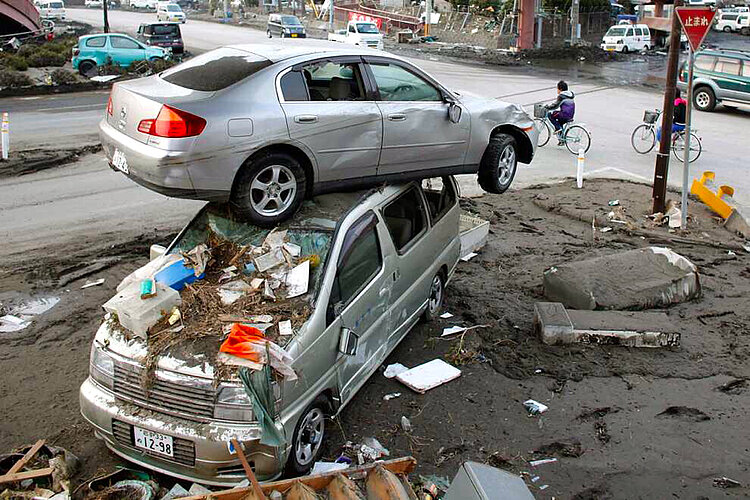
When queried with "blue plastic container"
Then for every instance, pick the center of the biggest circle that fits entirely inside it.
(176, 276)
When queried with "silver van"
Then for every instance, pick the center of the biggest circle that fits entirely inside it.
(385, 257)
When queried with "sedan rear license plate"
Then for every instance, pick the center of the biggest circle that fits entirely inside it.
(120, 162)
(153, 441)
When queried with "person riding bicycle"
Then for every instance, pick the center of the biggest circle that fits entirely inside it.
(566, 111)
(678, 115)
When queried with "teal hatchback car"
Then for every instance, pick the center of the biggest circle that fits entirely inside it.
(114, 48)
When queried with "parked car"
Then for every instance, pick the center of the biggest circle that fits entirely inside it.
(166, 35)
(92, 51)
(727, 22)
(284, 25)
(52, 9)
(170, 12)
(93, 4)
(143, 4)
(385, 258)
(265, 127)
(623, 38)
(719, 76)
(362, 33)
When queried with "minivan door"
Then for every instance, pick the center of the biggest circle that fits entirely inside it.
(329, 111)
(359, 302)
(417, 134)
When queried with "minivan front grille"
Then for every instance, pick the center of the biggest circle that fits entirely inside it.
(189, 401)
(184, 450)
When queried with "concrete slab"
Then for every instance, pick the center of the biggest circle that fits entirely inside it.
(636, 279)
(557, 325)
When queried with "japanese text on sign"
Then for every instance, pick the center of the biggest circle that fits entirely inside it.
(356, 16)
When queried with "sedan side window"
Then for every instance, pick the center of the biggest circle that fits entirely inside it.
(333, 81)
(96, 42)
(359, 262)
(294, 87)
(705, 62)
(405, 219)
(396, 83)
(440, 195)
(120, 42)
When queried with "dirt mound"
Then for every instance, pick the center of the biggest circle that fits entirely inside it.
(577, 53)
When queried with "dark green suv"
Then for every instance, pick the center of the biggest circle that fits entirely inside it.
(720, 76)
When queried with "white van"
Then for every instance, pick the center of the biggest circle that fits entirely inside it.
(52, 9)
(622, 38)
(727, 22)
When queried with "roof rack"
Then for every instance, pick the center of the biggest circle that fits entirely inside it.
(727, 49)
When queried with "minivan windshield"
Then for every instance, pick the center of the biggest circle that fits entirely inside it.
(55, 5)
(290, 21)
(174, 8)
(367, 28)
(616, 31)
(215, 70)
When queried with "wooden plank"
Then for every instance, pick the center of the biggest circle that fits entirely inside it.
(317, 482)
(248, 470)
(25, 459)
(20, 476)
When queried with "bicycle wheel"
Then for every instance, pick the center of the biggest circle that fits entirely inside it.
(544, 132)
(678, 147)
(577, 138)
(643, 139)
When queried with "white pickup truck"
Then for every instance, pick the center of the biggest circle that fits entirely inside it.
(363, 33)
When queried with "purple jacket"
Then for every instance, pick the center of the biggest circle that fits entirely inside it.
(566, 104)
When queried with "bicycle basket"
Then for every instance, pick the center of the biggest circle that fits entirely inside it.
(540, 111)
(650, 116)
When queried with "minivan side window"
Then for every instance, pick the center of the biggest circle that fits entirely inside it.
(630, 32)
(638, 32)
(728, 66)
(440, 197)
(95, 42)
(646, 31)
(405, 218)
(360, 260)
(705, 63)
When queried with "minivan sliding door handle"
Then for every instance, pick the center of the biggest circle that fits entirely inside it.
(305, 118)
(397, 117)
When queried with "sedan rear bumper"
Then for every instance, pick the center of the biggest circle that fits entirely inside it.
(205, 445)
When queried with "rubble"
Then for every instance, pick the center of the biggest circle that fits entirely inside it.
(429, 375)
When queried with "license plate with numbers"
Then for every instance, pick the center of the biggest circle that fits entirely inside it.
(153, 441)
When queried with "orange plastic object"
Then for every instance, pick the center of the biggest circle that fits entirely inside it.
(715, 201)
(240, 342)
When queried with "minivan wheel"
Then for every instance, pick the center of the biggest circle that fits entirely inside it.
(625, 49)
(436, 297)
(307, 439)
(499, 164)
(704, 99)
(269, 190)
(727, 29)
(268, 32)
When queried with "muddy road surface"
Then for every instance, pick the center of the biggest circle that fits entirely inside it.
(622, 422)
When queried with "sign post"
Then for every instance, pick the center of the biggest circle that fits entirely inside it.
(696, 21)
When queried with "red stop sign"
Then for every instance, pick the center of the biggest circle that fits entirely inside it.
(696, 21)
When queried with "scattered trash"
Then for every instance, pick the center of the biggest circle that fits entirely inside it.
(391, 395)
(10, 323)
(323, 467)
(535, 479)
(177, 491)
(469, 256)
(405, 424)
(148, 288)
(197, 489)
(729, 252)
(270, 260)
(103, 78)
(394, 369)
(429, 375)
(175, 316)
(675, 217)
(544, 487)
(139, 315)
(176, 275)
(372, 450)
(446, 315)
(536, 463)
(292, 249)
(535, 407)
(297, 280)
(21, 316)
(725, 482)
(197, 258)
(614, 203)
(605, 229)
(247, 346)
(89, 284)
(285, 328)
(452, 330)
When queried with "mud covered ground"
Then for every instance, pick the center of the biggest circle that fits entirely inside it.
(623, 423)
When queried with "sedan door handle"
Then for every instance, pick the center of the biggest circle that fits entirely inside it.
(397, 117)
(305, 118)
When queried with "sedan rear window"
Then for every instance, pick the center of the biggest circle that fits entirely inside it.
(165, 29)
(215, 70)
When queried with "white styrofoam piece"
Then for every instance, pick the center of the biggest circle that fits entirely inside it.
(285, 328)
(446, 315)
(452, 330)
(429, 375)
(297, 280)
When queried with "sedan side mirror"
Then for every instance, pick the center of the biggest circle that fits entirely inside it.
(348, 342)
(454, 112)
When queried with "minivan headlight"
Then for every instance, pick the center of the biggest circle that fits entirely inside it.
(102, 367)
(233, 404)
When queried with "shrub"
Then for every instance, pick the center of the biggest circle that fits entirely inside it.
(44, 57)
(63, 77)
(15, 62)
(13, 79)
(161, 64)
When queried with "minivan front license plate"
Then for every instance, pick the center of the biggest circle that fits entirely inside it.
(153, 441)
(119, 161)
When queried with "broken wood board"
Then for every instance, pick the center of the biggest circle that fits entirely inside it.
(429, 375)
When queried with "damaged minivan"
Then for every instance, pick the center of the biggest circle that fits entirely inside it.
(328, 295)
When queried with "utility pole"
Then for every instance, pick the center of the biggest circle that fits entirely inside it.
(106, 16)
(574, 11)
(427, 17)
(661, 168)
(330, 16)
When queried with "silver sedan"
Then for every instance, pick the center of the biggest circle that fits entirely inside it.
(264, 127)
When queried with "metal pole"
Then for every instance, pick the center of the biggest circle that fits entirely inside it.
(686, 159)
(5, 133)
(574, 8)
(330, 16)
(427, 17)
(662, 157)
(106, 16)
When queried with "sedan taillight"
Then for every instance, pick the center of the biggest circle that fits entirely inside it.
(173, 123)
(109, 106)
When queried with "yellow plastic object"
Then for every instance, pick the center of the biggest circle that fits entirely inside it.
(715, 201)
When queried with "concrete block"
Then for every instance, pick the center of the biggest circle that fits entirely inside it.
(556, 325)
(636, 279)
(738, 222)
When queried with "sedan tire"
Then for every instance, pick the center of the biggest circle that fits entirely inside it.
(499, 164)
(307, 439)
(269, 190)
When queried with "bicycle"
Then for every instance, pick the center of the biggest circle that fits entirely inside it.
(573, 135)
(643, 138)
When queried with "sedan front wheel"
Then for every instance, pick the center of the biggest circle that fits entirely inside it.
(499, 164)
